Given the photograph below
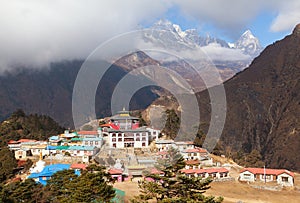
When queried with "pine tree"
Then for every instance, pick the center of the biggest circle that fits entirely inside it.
(173, 186)
(172, 123)
(93, 185)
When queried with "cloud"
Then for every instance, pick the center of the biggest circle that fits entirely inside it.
(216, 52)
(228, 15)
(34, 33)
(233, 16)
(288, 17)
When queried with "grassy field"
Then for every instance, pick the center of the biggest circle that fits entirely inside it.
(233, 192)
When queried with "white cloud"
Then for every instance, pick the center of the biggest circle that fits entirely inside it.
(288, 17)
(38, 32)
(216, 52)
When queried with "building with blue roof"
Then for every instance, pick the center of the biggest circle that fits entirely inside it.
(47, 172)
(92, 141)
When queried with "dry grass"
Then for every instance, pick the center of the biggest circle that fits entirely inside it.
(233, 192)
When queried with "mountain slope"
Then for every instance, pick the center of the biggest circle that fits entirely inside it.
(263, 108)
(49, 92)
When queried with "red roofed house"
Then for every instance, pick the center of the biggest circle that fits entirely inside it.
(196, 153)
(282, 176)
(78, 166)
(215, 173)
(192, 164)
(183, 145)
(116, 173)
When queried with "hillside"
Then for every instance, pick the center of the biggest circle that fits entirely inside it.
(49, 91)
(33, 126)
(263, 108)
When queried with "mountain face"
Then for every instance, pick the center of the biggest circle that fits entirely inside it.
(228, 60)
(190, 38)
(49, 92)
(248, 44)
(263, 107)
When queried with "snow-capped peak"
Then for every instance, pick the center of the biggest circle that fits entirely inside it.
(179, 31)
(248, 34)
(248, 43)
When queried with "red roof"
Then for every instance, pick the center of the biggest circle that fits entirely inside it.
(114, 171)
(192, 162)
(12, 142)
(206, 170)
(268, 171)
(156, 171)
(162, 152)
(26, 140)
(21, 163)
(196, 150)
(105, 125)
(85, 132)
(78, 166)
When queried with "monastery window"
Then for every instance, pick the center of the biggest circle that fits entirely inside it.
(285, 179)
(120, 139)
(96, 143)
(114, 139)
(143, 144)
(113, 135)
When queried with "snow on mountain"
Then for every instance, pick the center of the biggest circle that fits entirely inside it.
(179, 39)
(248, 44)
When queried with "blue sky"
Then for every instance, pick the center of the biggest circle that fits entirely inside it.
(259, 26)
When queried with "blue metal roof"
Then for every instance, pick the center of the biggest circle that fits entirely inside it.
(55, 137)
(49, 147)
(84, 148)
(48, 171)
(92, 139)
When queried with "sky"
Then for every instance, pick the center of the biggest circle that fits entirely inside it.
(35, 33)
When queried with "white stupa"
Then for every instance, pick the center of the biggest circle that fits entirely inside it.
(39, 165)
(118, 164)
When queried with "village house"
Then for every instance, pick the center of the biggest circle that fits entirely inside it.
(27, 147)
(78, 167)
(92, 141)
(116, 174)
(195, 153)
(183, 145)
(47, 172)
(281, 176)
(164, 145)
(90, 133)
(55, 140)
(214, 173)
(192, 164)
